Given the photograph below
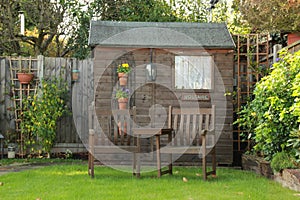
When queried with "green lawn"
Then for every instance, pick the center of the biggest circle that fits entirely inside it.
(70, 181)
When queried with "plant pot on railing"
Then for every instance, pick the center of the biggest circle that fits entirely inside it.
(24, 78)
(293, 37)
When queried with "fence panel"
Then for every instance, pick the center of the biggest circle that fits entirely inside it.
(67, 133)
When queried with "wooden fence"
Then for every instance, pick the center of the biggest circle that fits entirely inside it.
(67, 135)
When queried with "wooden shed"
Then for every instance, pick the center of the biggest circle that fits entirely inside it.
(178, 64)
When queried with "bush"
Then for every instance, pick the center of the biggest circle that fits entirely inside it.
(294, 144)
(282, 160)
(275, 110)
(40, 115)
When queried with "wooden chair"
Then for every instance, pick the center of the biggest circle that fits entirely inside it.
(193, 134)
(114, 136)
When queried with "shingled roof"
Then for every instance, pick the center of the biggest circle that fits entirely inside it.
(160, 34)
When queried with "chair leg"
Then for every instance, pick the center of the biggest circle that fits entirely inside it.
(170, 155)
(204, 174)
(91, 152)
(214, 162)
(138, 159)
(91, 165)
(134, 164)
(170, 165)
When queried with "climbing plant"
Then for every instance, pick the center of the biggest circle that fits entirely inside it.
(40, 115)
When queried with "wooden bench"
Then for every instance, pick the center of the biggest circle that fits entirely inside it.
(114, 136)
(193, 134)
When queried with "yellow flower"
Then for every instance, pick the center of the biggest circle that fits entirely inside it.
(124, 67)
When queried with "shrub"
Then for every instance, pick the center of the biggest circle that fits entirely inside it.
(40, 115)
(294, 144)
(271, 116)
(282, 160)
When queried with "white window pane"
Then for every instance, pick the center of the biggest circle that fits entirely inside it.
(193, 72)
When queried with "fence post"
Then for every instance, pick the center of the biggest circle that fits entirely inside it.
(40, 67)
(2, 89)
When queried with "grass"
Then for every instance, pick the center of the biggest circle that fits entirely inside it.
(70, 181)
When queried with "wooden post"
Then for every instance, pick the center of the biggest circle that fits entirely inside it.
(40, 67)
(2, 89)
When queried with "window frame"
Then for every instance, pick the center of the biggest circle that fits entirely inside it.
(196, 90)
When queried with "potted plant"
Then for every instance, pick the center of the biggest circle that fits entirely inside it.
(25, 76)
(123, 70)
(122, 96)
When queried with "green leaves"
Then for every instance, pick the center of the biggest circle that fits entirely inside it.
(271, 15)
(275, 110)
(42, 112)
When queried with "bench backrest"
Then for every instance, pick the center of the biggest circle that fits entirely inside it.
(188, 124)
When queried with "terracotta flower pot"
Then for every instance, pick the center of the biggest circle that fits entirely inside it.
(123, 78)
(122, 103)
(293, 37)
(25, 78)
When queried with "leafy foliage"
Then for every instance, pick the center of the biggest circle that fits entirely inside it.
(294, 144)
(41, 113)
(282, 160)
(272, 114)
(43, 17)
(122, 93)
(61, 28)
(271, 15)
(122, 10)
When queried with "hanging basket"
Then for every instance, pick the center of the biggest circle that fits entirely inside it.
(25, 78)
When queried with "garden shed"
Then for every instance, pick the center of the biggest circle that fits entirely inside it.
(177, 64)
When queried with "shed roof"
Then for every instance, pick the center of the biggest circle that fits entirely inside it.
(160, 34)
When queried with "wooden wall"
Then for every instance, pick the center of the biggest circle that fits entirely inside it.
(147, 94)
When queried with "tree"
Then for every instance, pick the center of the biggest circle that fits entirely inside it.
(44, 17)
(121, 10)
(61, 27)
(200, 10)
(271, 15)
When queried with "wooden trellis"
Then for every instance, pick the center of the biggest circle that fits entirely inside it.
(251, 64)
(21, 91)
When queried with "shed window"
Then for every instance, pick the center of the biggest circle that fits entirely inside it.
(193, 72)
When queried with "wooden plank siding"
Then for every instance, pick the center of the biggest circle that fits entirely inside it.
(146, 94)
